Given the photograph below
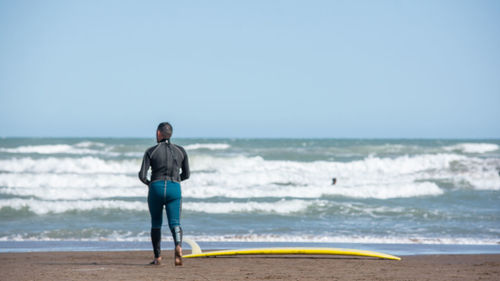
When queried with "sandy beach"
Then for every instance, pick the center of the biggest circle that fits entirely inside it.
(133, 265)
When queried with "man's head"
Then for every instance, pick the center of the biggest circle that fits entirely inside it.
(164, 131)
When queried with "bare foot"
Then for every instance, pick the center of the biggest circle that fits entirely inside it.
(178, 255)
(156, 261)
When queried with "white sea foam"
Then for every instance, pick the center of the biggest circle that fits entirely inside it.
(283, 206)
(76, 192)
(41, 207)
(250, 177)
(143, 236)
(382, 178)
(379, 191)
(83, 165)
(48, 181)
(346, 239)
(81, 148)
(399, 165)
(49, 149)
(90, 144)
(279, 207)
(473, 147)
(209, 146)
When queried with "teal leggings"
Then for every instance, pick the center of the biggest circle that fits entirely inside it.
(168, 194)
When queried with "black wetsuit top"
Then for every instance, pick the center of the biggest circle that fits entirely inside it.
(165, 160)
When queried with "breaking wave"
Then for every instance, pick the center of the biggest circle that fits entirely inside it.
(209, 146)
(41, 207)
(252, 177)
(79, 148)
(473, 147)
(143, 236)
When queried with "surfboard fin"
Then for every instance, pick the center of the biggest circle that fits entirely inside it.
(195, 248)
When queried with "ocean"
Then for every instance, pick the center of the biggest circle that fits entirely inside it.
(84, 193)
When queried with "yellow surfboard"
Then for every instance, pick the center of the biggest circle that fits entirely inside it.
(196, 252)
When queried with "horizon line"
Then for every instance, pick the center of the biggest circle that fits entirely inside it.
(257, 138)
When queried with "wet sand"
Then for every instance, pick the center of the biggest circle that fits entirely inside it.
(133, 265)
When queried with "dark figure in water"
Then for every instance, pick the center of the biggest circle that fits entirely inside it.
(334, 181)
(166, 160)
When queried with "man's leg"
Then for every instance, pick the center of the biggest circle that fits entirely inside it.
(155, 204)
(173, 209)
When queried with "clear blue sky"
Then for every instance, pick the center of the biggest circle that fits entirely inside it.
(427, 69)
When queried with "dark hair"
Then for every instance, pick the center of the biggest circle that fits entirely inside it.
(165, 129)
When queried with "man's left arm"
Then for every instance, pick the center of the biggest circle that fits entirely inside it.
(185, 166)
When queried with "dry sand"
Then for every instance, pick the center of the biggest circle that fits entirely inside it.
(133, 266)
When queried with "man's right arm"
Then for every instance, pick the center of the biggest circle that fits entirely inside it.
(143, 173)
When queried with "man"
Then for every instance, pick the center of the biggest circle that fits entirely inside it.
(165, 160)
